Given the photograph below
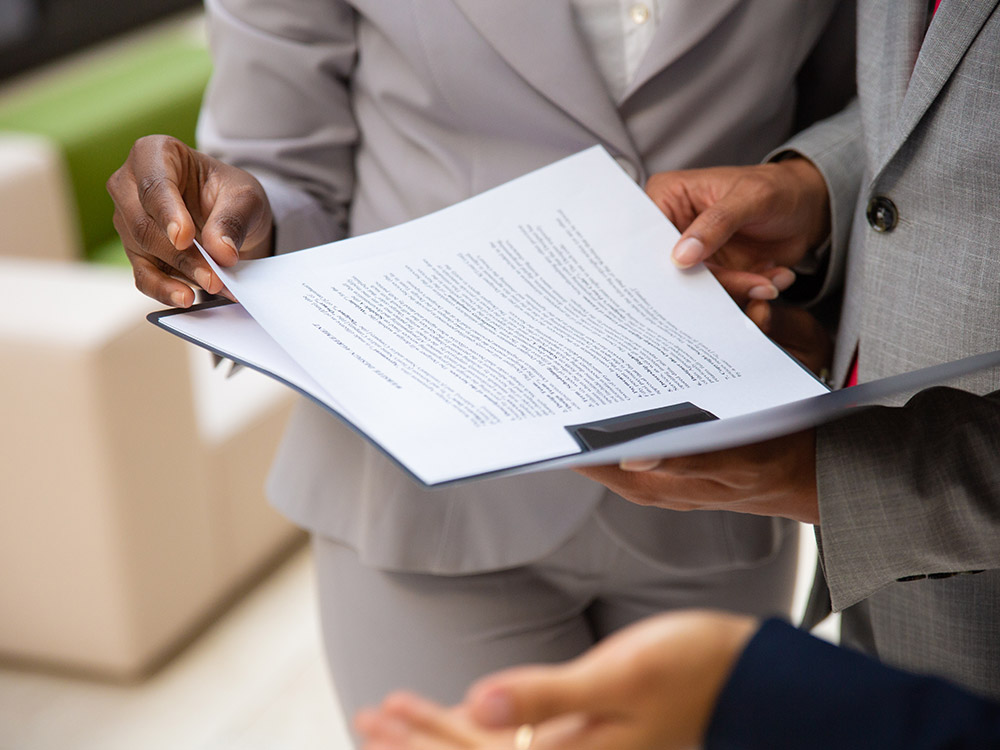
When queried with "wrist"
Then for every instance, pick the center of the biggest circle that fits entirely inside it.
(725, 637)
(812, 198)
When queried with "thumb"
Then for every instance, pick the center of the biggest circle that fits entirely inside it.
(239, 209)
(531, 695)
(712, 228)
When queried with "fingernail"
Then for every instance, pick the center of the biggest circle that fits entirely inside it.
(688, 252)
(783, 278)
(639, 465)
(229, 241)
(764, 291)
(178, 299)
(173, 229)
(496, 709)
(203, 277)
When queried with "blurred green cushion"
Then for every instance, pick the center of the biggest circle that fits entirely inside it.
(110, 253)
(98, 108)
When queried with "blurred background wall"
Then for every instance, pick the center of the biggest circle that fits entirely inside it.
(33, 32)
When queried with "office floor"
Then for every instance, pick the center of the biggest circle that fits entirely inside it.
(255, 681)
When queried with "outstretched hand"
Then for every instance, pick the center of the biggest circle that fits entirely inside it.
(166, 194)
(652, 686)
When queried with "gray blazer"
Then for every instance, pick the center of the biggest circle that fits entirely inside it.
(910, 498)
(361, 114)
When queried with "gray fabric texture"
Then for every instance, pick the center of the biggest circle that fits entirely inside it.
(909, 496)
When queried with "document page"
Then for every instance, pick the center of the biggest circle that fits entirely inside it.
(466, 341)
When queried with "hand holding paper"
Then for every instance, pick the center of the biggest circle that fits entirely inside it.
(748, 224)
(772, 478)
(167, 193)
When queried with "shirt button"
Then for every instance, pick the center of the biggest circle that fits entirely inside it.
(639, 13)
(882, 214)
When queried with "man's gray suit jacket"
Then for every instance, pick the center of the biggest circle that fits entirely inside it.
(363, 114)
(909, 498)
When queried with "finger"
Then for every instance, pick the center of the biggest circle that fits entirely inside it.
(713, 227)
(165, 170)
(687, 490)
(744, 285)
(144, 237)
(155, 283)
(375, 725)
(781, 277)
(381, 730)
(426, 718)
(759, 311)
(238, 208)
(588, 735)
(638, 464)
(532, 695)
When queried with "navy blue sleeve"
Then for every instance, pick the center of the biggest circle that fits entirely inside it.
(792, 690)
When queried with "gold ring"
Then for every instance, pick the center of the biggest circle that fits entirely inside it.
(523, 737)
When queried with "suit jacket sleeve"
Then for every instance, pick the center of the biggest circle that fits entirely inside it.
(909, 492)
(834, 145)
(278, 105)
(792, 690)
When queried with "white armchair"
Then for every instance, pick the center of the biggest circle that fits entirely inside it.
(131, 471)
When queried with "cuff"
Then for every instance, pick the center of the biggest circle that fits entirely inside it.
(792, 690)
(834, 147)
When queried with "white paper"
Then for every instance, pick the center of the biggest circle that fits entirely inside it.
(464, 342)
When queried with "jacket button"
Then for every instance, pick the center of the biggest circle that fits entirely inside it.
(882, 214)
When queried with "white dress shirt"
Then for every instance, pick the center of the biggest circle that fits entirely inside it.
(619, 33)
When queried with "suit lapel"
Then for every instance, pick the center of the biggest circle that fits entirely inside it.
(540, 40)
(685, 25)
(889, 36)
(949, 36)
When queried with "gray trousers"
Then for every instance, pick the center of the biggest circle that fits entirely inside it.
(437, 634)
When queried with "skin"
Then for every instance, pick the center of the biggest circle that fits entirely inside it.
(746, 223)
(166, 195)
(651, 686)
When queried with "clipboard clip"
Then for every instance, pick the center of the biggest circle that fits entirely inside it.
(615, 430)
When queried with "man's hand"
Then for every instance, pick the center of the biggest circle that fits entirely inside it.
(795, 330)
(749, 224)
(652, 686)
(167, 194)
(773, 478)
